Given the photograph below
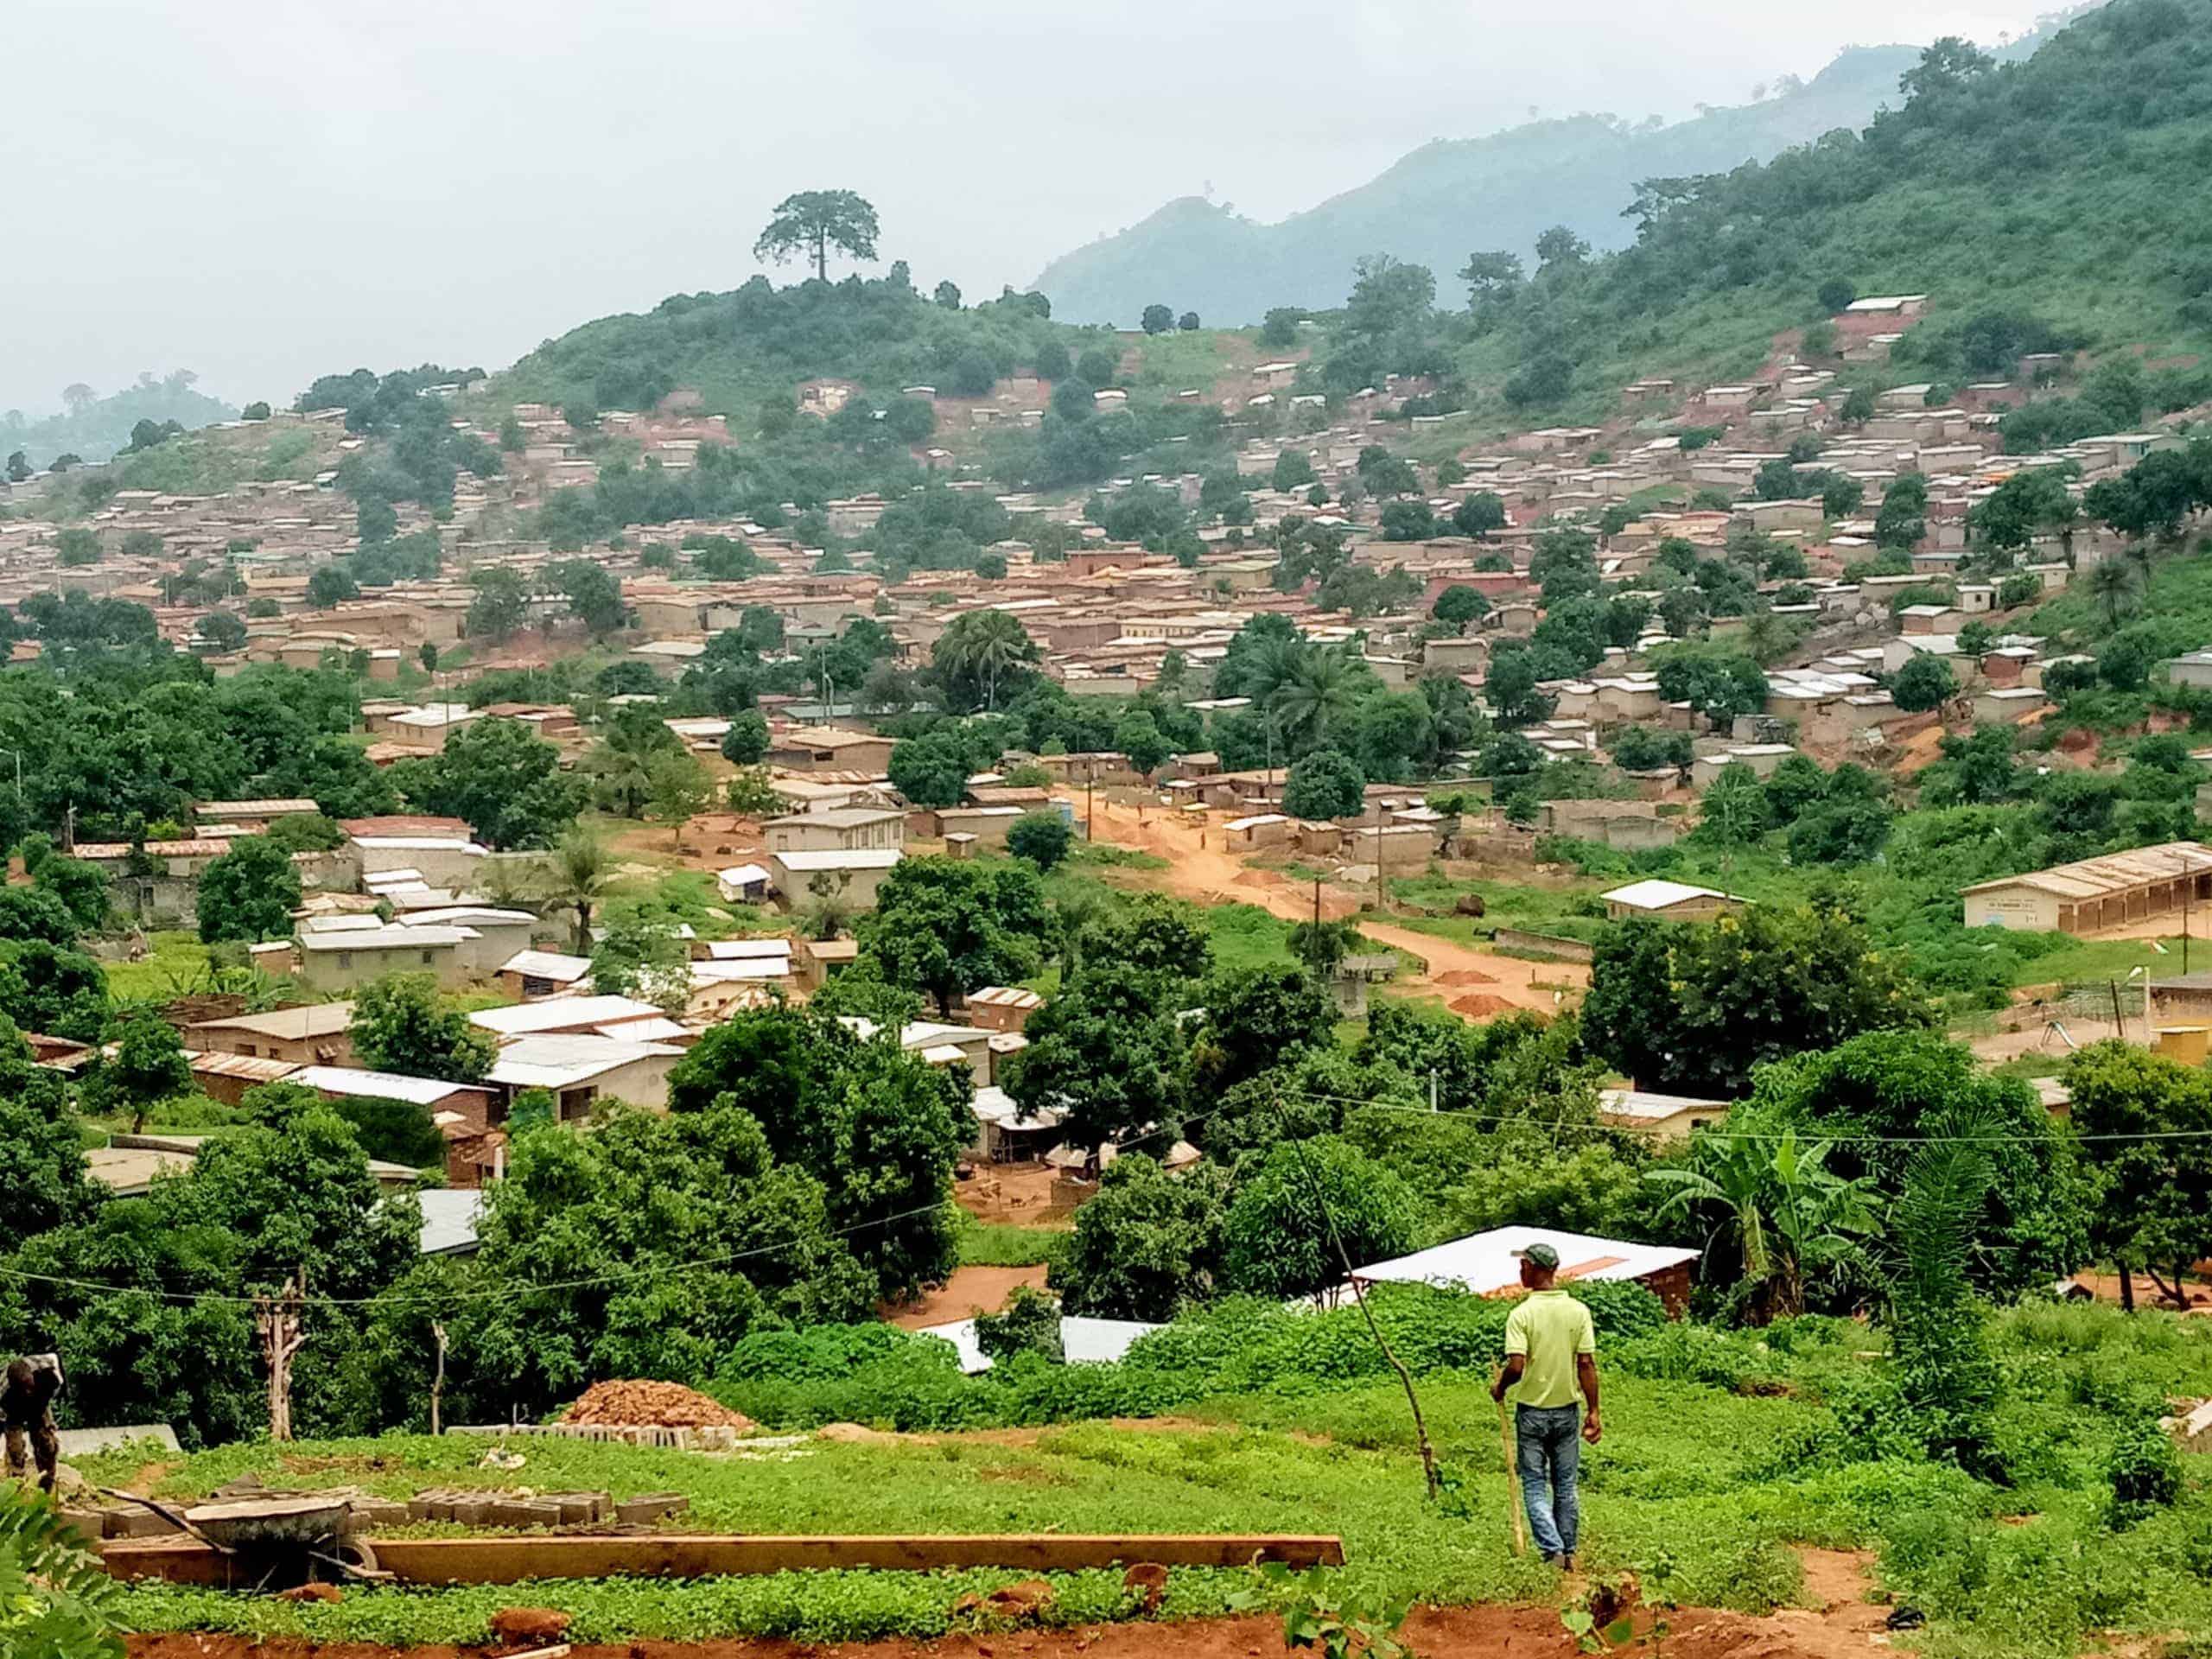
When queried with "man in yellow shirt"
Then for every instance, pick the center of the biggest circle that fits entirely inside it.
(1551, 1350)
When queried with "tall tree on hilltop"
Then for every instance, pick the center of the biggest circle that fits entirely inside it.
(814, 221)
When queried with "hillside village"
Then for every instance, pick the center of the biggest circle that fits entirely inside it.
(972, 946)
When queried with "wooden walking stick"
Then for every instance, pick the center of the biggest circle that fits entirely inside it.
(1512, 1482)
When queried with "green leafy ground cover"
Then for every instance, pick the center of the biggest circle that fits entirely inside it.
(1721, 1452)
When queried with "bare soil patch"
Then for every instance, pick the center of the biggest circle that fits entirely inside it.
(970, 1291)
(1484, 1632)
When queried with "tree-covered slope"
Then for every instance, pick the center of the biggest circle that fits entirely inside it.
(2065, 198)
(93, 428)
(739, 347)
(1445, 198)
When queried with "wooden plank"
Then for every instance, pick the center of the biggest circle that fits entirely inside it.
(673, 1555)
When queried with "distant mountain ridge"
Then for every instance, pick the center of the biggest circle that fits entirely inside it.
(1447, 198)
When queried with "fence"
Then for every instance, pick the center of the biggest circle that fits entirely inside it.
(1541, 944)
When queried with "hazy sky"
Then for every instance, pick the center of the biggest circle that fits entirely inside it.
(266, 190)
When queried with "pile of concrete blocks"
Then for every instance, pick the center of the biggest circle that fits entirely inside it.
(483, 1508)
(680, 1440)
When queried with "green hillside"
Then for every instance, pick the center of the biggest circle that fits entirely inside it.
(2064, 200)
(93, 428)
(739, 348)
(1447, 198)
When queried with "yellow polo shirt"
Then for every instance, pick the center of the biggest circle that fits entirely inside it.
(1548, 1328)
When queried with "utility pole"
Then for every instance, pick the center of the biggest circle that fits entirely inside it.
(1090, 779)
(277, 1321)
(438, 1382)
(2188, 881)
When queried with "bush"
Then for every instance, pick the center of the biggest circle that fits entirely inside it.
(1043, 838)
(2144, 1471)
(1030, 1324)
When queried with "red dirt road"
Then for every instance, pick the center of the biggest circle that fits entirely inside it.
(1434, 1633)
(1198, 868)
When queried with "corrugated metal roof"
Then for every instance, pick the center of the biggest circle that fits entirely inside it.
(2110, 873)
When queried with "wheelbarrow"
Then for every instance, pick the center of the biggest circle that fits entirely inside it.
(275, 1542)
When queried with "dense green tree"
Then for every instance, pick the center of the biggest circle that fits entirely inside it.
(1147, 1245)
(501, 779)
(1693, 1008)
(644, 1248)
(1458, 605)
(1479, 514)
(42, 1179)
(1254, 1018)
(1138, 737)
(500, 606)
(746, 743)
(811, 222)
(1407, 521)
(249, 893)
(1326, 783)
(331, 584)
(2149, 1165)
(878, 1127)
(594, 596)
(1311, 1205)
(947, 927)
(1104, 1052)
(1716, 683)
(1043, 838)
(401, 1023)
(1925, 683)
(1158, 319)
(932, 769)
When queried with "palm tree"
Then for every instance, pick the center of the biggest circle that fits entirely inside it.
(982, 646)
(1317, 694)
(2116, 584)
(1788, 1211)
(576, 877)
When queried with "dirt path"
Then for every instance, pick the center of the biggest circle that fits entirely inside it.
(1200, 869)
(1843, 1623)
(970, 1291)
(1484, 1632)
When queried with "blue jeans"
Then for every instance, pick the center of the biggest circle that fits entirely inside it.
(1548, 1440)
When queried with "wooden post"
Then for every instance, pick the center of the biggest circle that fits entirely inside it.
(438, 1382)
(276, 1319)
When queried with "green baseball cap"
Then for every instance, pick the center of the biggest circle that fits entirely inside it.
(1542, 1255)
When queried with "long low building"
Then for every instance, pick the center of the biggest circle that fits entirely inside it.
(2094, 893)
(1484, 1263)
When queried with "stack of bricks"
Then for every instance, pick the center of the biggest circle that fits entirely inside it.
(497, 1508)
(478, 1508)
(681, 1439)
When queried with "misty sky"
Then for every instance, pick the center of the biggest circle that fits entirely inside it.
(266, 190)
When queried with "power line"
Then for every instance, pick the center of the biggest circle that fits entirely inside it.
(1717, 1134)
(650, 1270)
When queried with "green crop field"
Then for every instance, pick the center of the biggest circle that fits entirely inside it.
(1721, 1452)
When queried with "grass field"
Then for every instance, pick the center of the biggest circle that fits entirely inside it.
(1721, 1454)
(174, 964)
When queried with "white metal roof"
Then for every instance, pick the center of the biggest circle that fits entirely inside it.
(1484, 1263)
(556, 1013)
(1649, 1105)
(1085, 1341)
(547, 964)
(374, 1085)
(841, 858)
(450, 1215)
(385, 939)
(567, 1060)
(747, 950)
(1654, 893)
